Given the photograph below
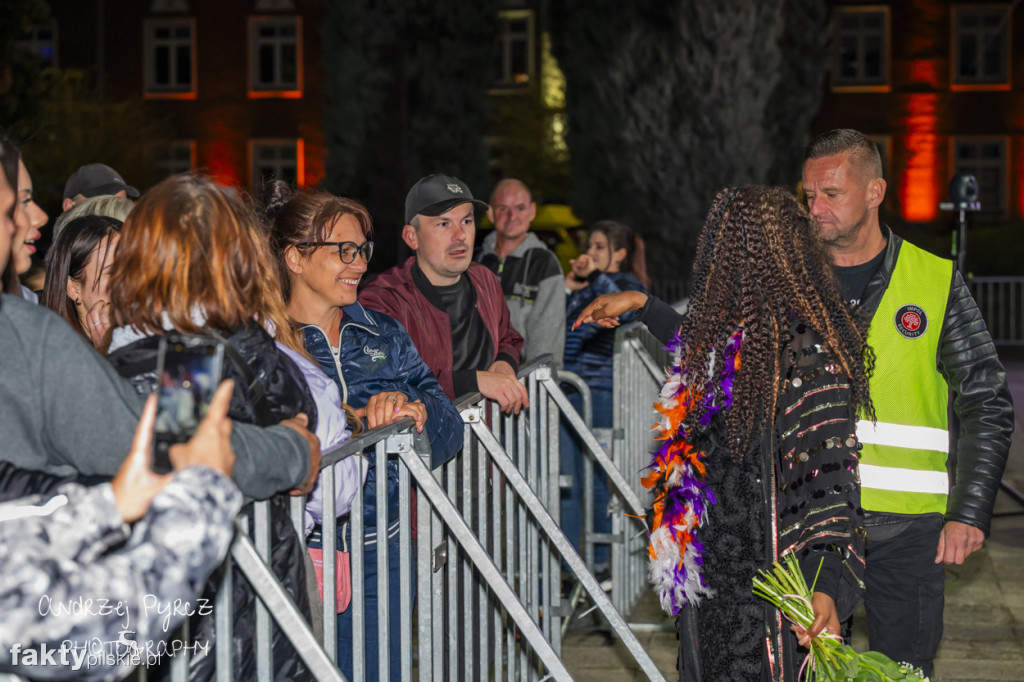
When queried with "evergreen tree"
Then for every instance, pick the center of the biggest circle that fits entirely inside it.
(668, 102)
(797, 97)
(406, 85)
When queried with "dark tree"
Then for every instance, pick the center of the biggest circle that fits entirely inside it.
(668, 102)
(797, 98)
(406, 84)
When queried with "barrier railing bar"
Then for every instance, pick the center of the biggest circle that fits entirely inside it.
(384, 623)
(555, 535)
(452, 573)
(329, 547)
(405, 572)
(424, 593)
(356, 557)
(223, 613)
(476, 553)
(657, 373)
(614, 475)
(465, 624)
(290, 620)
(264, 654)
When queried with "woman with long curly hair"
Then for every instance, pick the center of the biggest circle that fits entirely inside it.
(769, 372)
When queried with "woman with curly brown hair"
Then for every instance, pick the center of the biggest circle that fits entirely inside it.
(769, 372)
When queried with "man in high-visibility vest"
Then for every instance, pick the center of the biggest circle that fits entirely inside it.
(927, 499)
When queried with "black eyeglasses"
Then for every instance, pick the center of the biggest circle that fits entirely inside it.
(347, 250)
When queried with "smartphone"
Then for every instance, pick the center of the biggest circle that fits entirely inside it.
(189, 370)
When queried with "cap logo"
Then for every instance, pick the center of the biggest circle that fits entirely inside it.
(911, 321)
(454, 189)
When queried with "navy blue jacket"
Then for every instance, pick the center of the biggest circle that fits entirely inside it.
(377, 355)
(589, 348)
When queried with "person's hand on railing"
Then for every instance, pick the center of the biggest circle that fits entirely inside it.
(499, 383)
(299, 422)
(136, 484)
(606, 308)
(392, 406)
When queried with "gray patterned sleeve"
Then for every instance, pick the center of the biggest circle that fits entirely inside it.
(73, 607)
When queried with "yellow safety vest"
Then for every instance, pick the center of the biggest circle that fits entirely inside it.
(903, 461)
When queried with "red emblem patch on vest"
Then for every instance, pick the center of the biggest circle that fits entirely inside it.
(911, 321)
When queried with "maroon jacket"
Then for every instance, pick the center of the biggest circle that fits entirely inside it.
(394, 293)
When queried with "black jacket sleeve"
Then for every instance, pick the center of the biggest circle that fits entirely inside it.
(982, 405)
(661, 319)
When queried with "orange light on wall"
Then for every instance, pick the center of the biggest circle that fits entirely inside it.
(924, 72)
(313, 153)
(222, 163)
(223, 144)
(1016, 151)
(919, 188)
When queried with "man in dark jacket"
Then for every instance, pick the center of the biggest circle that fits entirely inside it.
(929, 340)
(453, 308)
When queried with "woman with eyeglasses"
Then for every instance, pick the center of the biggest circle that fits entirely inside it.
(322, 246)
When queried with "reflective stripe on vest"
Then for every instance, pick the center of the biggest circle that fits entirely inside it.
(903, 461)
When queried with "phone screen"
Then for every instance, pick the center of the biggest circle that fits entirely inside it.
(189, 368)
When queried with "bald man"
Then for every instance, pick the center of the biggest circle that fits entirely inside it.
(530, 275)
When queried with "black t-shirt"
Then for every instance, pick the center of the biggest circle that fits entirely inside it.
(472, 348)
(853, 280)
(471, 344)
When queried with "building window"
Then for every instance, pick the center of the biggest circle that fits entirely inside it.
(170, 58)
(275, 57)
(861, 48)
(981, 45)
(515, 49)
(41, 43)
(276, 159)
(985, 159)
(176, 157)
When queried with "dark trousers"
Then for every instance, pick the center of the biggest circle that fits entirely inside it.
(905, 589)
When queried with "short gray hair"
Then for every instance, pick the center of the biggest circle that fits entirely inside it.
(861, 151)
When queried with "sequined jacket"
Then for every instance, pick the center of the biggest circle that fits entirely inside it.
(59, 583)
(803, 469)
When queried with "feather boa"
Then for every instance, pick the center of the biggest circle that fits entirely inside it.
(677, 474)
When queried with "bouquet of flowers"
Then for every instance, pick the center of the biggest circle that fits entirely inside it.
(829, 659)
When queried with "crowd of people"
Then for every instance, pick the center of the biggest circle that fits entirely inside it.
(809, 326)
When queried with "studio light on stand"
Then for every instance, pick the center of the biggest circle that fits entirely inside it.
(963, 197)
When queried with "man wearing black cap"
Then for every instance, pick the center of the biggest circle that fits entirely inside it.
(93, 180)
(453, 308)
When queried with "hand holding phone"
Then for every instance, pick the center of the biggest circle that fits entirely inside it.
(136, 484)
(189, 369)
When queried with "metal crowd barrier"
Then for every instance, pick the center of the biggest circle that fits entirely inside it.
(638, 368)
(1001, 301)
(487, 559)
(488, 556)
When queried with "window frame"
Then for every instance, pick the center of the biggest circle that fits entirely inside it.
(505, 83)
(32, 44)
(150, 89)
(278, 90)
(956, 79)
(853, 86)
(1004, 190)
(300, 157)
(158, 156)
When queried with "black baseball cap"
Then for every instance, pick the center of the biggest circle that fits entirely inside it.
(436, 194)
(96, 179)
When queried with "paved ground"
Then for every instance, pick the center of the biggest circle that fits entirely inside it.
(984, 617)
